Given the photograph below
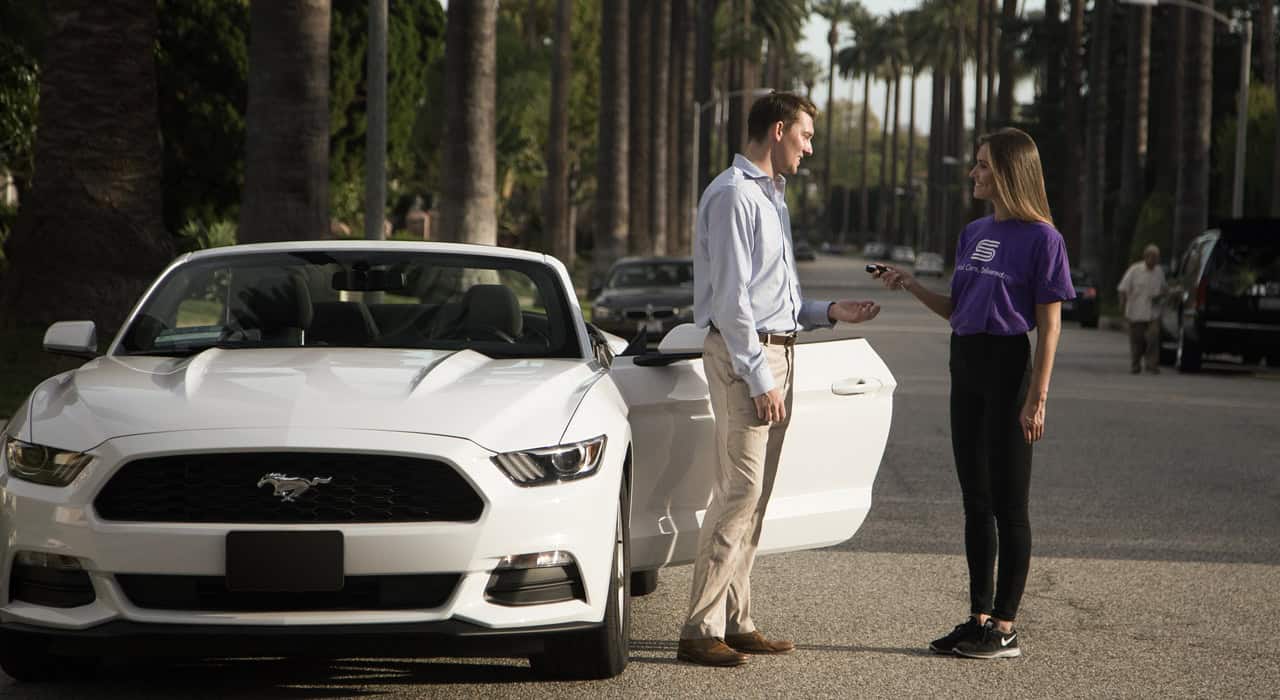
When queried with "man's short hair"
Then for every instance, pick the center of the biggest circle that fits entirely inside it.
(1151, 248)
(777, 107)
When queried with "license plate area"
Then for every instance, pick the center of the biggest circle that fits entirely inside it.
(284, 562)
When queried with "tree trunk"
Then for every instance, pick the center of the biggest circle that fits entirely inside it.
(659, 87)
(679, 163)
(882, 216)
(1004, 100)
(993, 43)
(703, 66)
(864, 221)
(1093, 238)
(468, 195)
(1191, 207)
(979, 73)
(556, 192)
(1166, 131)
(909, 234)
(934, 218)
(895, 205)
(90, 235)
(1133, 155)
(738, 80)
(286, 169)
(640, 237)
(612, 166)
(828, 147)
(955, 175)
(1266, 42)
(1069, 218)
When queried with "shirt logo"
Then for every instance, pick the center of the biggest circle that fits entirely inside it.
(985, 251)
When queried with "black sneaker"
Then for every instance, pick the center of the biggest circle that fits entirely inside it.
(990, 643)
(969, 629)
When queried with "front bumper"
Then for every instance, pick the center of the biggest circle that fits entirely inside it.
(422, 639)
(515, 520)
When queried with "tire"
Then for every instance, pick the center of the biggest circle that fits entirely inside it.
(1188, 355)
(34, 665)
(602, 652)
(643, 582)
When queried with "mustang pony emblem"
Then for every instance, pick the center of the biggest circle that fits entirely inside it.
(288, 488)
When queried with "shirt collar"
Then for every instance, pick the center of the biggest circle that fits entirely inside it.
(753, 171)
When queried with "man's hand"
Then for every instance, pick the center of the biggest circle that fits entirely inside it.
(851, 311)
(770, 407)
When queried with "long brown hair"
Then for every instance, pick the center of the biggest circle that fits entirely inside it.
(1015, 168)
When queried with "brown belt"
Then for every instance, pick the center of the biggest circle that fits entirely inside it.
(784, 339)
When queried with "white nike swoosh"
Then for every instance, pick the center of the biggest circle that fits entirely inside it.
(1004, 641)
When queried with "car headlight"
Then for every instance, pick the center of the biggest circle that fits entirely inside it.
(43, 465)
(548, 464)
(683, 311)
(601, 313)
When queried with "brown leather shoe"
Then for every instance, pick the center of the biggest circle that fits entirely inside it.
(755, 643)
(708, 652)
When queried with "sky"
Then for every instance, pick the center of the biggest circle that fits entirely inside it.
(814, 43)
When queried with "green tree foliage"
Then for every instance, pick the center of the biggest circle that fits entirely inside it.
(415, 47)
(202, 70)
(22, 29)
(1259, 147)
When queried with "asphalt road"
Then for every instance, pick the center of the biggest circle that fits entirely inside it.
(1156, 516)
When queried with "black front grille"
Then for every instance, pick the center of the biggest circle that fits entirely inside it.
(398, 592)
(224, 488)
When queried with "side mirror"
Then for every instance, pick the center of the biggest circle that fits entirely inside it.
(75, 338)
(684, 342)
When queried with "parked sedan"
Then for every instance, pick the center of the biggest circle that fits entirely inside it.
(902, 254)
(804, 251)
(929, 264)
(645, 296)
(383, 448)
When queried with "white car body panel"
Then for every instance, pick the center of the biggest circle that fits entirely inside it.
(829, 461)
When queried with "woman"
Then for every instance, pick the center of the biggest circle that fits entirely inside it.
(1011, 277)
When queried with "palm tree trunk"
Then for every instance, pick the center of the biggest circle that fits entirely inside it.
(679, 162)
(1267, 50)
(832, 37)
(641, 240)
(1004, 100)
(1093, 233)
(556, 204)
(659, 86)
(612, 167)
(911, 228)
(937, 149)
(1133, 156)
(895, 206)
(286, 181)
(954, 176)
(468, 198)
(703, 67)
(864, 220)
(90, 234)
(1070, 220)
(1191, 203)
(882, 216)
(980, 72)
(738, 82)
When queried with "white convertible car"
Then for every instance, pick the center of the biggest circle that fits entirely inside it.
(394, 449)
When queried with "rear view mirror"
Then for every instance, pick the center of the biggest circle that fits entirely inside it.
(75, 338)
(376, 280)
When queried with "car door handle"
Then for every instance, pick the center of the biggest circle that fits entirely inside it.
(854, 386)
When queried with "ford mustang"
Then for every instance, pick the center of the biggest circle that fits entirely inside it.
(378, 448)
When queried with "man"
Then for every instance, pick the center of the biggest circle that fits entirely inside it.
(1140, 291)
(747, 293)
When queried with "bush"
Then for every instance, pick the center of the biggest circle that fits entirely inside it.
(198, 235)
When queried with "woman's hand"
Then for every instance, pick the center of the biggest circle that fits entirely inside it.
(895, 278)
(1031, 420)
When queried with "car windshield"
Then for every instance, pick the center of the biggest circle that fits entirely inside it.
(656, 274)
(354, 298)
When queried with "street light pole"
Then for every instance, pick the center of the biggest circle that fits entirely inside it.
(1245, 27)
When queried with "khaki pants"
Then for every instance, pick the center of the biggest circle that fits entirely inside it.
(1144, 342)
(748, 450)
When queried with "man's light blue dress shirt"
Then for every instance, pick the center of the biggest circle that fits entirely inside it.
(744, 270)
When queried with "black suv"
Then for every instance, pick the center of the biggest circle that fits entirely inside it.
(1225, 296)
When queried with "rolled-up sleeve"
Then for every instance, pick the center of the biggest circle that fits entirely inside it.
(730, 220)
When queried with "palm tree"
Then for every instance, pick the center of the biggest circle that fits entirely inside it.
(1004, 100)
(556, 193)
(286, 172)
(639, 239)
(862, 58)
(1267, 29)
(834, 11)
(659, 86)
(1133, 156)
(612, 164)
(90, 235)
(1093, 231)
(1069, 219)
(1191, 202)
(468, 198)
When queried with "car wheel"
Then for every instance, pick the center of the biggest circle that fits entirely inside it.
(1188, 356)
(643, 582)
(33, 665)
(602, 652)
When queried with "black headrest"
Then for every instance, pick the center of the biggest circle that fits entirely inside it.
(492, 306)
(341, 323)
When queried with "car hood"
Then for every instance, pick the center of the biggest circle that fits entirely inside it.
(658, 296)
(500, 404)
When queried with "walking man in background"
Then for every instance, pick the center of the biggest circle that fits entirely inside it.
(1141, 289)
(747, 293)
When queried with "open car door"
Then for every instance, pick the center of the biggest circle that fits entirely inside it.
(840, 423)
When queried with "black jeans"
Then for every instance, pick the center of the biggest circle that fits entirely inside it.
(989, 376)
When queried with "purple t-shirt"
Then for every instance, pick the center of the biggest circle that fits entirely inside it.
(1003, 269)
